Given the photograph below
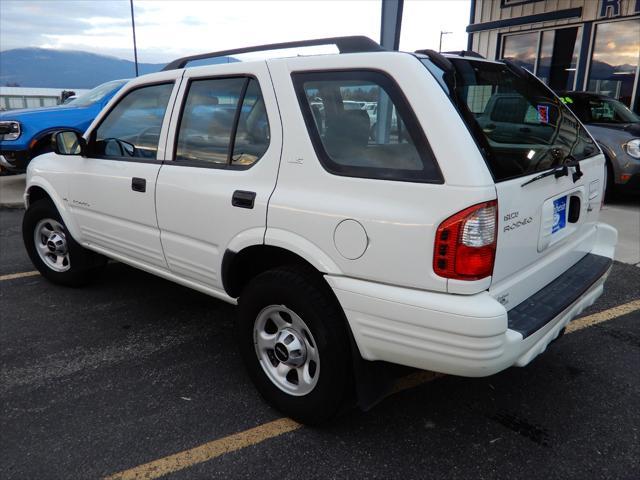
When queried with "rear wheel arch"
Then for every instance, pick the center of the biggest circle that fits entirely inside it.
(238, 268)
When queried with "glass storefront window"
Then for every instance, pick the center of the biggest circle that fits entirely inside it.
(557, 58)
(566, 48)
(545, 56)
(614, 63)
(521, 49)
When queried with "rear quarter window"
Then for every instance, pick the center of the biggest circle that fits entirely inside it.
(361, 125)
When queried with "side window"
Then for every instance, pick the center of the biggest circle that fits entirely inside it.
(132, 128)
(224, 122)
(252, 137)
(361, 126)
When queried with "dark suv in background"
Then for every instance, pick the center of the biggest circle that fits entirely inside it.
(617, 131)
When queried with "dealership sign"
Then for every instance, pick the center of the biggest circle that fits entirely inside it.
(611, 8)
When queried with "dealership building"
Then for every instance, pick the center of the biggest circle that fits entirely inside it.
(587, 45)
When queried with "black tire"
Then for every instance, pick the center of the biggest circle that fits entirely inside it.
(84, 265)
(305, 293)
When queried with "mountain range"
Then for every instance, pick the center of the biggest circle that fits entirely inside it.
(45, 68)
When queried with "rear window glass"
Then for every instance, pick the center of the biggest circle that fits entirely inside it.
(361, 126)
(521, 127)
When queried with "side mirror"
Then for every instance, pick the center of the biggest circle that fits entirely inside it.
(68, 142)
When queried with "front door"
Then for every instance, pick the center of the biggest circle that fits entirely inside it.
(112, 192)
(223, 152)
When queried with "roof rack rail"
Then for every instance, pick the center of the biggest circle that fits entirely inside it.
(350, 44)
(465, 53)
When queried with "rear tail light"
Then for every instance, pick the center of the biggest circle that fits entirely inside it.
(465, 246)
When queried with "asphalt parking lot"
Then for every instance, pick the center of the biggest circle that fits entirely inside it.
(117, 378)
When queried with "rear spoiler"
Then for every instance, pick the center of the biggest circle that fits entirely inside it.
(466, 53)
(438, 59)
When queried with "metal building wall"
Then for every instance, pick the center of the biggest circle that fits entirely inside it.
(485, 42)
(493, 20)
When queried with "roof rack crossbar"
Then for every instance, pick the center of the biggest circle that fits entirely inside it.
(351, 44)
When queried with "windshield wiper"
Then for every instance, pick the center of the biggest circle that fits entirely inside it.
(560, 171)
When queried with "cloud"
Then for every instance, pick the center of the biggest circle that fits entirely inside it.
(35, 23)
(617, 42)
(167, 29)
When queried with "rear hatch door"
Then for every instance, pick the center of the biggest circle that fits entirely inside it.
(547, 169)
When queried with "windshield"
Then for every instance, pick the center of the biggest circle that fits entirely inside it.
(520, 126)
(96, 94)
(592, 109)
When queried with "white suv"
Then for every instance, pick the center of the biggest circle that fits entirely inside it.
(460, 236)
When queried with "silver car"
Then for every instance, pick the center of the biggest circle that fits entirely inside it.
(617, 131)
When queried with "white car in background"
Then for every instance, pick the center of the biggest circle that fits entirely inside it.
(455, 246)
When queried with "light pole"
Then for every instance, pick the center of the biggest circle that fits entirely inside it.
(135, 48)
(441, 34)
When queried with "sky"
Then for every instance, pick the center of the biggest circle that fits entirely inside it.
(169, 29)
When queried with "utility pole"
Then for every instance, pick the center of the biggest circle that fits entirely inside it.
(135, 48)
(441, 34)
(391, 22)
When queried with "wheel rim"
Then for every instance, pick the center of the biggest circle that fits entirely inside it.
(51, 244)
(286, 349)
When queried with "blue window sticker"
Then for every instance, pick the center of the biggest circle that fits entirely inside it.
(559, 214)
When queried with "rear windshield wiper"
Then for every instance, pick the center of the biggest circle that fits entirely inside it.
(560, 171)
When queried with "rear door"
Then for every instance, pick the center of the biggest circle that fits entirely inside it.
(547, 210)
(220, 169)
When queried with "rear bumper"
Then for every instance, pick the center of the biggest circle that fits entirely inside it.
(467, 335)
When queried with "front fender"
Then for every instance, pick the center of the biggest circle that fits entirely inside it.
(611, 156)
(60, 201)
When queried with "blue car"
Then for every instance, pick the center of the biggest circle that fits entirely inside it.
(25, 134)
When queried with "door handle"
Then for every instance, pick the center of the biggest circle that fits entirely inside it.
(243, 199)
(138, 184)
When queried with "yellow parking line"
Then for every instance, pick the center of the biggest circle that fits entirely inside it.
(208, 451)
(415, 379)
(259, 434)
(12, 276)
(603, 316)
